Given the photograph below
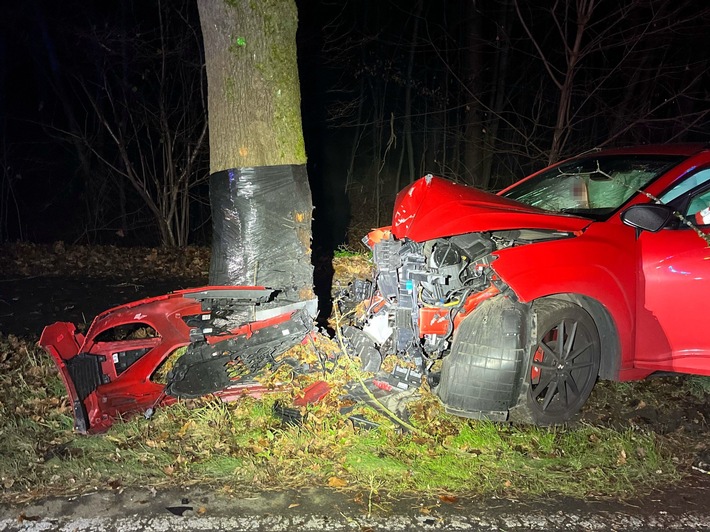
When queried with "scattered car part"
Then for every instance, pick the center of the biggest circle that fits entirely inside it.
(294, 415)
(217, 363)
(114, 369)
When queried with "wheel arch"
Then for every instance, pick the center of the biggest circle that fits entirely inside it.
(608, 332)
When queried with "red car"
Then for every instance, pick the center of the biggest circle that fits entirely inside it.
(596, 267)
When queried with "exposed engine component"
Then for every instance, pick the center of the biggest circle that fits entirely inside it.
(419, 289)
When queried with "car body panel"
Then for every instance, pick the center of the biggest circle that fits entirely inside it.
(107, 377)
(674, 288)
(572, 266)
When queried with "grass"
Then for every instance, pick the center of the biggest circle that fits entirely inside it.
(697, 386)
(345, 252)
(245, 446)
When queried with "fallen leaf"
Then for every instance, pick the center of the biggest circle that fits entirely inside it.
(448, 498)
(293, 505)
(622, 458)
(185, 428)
(335, 482)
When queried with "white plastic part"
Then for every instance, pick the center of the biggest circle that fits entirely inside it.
(378, 328)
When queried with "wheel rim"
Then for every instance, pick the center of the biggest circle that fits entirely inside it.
(564, 367)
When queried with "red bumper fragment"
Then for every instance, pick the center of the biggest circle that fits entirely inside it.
(118, 368)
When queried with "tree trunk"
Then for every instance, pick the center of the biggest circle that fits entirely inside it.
(253, 88)
(261, 201)
(498, 95)
(408, 97)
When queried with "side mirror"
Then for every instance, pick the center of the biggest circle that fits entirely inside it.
(648, 217)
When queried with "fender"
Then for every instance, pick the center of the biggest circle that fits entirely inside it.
(573, 266)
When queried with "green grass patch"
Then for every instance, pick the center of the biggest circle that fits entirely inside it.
(344, 252)
(486, 459)
(243, 445)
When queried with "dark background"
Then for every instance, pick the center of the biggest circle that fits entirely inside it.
(482, 92)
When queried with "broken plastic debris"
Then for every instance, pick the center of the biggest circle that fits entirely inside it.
(378, 328)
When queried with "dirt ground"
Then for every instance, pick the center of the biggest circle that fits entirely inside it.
(28, 304)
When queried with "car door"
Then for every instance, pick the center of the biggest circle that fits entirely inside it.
(673, 332)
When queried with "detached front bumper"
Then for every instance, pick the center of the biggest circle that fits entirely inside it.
(119, 368)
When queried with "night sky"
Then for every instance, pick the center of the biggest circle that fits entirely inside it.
(390, 90)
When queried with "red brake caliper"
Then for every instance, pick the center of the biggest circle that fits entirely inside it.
(535, 370)
(539, 356)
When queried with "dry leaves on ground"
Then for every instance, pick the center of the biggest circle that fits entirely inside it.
(26, 259)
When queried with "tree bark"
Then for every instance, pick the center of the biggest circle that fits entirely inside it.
(261, 201)
(253, 87)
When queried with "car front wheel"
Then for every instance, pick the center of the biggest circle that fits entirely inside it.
(562, 365)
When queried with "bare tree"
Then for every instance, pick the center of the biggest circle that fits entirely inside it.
(9, 207)
(152, 111)
(596, 51)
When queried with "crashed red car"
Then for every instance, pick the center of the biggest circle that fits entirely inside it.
(219, 338)
(596, 267)
(511, 305)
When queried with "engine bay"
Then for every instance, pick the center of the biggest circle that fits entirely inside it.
(419, 293)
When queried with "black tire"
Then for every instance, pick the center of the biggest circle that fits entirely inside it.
(558, 376)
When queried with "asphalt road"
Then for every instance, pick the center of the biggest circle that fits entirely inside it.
(327, 510)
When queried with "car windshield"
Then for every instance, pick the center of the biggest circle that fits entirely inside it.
(593, 186)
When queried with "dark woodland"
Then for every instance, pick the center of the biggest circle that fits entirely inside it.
(103, 105)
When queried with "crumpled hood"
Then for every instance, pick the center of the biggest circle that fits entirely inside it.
(433, 207)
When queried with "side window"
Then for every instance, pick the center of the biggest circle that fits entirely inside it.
(689, 183)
